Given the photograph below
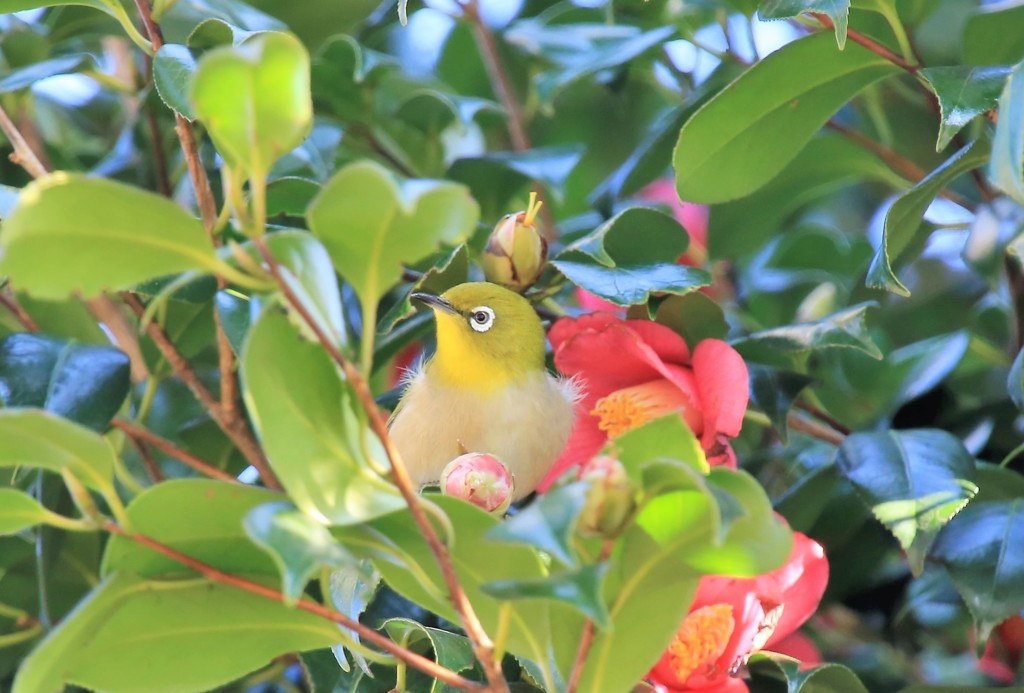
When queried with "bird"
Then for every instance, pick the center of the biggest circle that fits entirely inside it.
(485, 389)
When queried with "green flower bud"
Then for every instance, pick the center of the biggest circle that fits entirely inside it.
(611, 499)
(516, 252)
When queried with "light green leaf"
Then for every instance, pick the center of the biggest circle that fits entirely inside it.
(298, 544)
(837, 10)
(743, 137)
(173, 68)
(580, 588)
(311, 426)
(1008, 142)
(904, 220)
(36, 438)
(144, 636)
(254, 99)
(372, 223)
(72, 233)
(18, 511)
(549, 523)
(964, 93)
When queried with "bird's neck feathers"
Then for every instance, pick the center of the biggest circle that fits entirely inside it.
(463, 360)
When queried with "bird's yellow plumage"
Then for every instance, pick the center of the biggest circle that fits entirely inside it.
(484, 390)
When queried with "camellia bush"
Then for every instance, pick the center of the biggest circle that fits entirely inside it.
(777, 249)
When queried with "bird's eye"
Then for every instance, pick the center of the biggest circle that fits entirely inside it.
(481, 318)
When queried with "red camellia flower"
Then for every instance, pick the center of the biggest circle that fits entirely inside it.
(732, 618)
(633, 371)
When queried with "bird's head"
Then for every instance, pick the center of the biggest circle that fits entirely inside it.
(487, 336)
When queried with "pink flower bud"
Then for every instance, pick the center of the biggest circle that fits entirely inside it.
(516, 251)
(480, 479)
(611, 499)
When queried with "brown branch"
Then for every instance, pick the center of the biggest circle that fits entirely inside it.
(815, 429)
(163, 178)
(825, 417)
(238, 429)
(483, 648)
(139, 435)
(213, 574)
(108, 313)
(871, 45)
(148, 461)
(11, 304)
(22, 155)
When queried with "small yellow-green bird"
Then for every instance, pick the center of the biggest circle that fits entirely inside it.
(484, 390)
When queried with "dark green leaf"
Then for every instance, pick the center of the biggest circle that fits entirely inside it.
(290, 195)
(748, 133)
(964, 93)
(310, 425)
(579, 588)
(997, 483)
(452, 268)
(980, 551)
(82, 382)
(173, 67)
(825, 678)
(1008, 142)
(37, 438)
(298, 544)
(837, 10)
(72, 233)
(994, 35)
(549, 523)
(630, 256)
(235, 315)
(904, 220)
(914, 481)
(453, 652)
(694, 317)
(845, 329)
(550, 166)
(773, 391)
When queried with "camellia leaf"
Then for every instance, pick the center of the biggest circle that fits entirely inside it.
(548, 165)
(29, 75)
(904, 218)
(371, 223)
(694, 317)
(213, 532)
(450, 269)
(140, 636)
(773, 391)
(83, 382)
(254, 99)
(1015, 380)
(630, 256)
(964, 93)
(825, 678)
(298, 544)
(351, 589)
(980, 552)
(453, 652)
(837, 10)
(173, 68)
(72, 233)
(914, 481)
(579, 588)
(747, 134)
(993, 35)
(1008, 142)
(36, 438)
(549, 523)
(845, 329)
(311, 426)
(18, 511)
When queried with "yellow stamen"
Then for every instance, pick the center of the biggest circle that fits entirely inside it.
(630, 407)
(532, 209)
(701, 640)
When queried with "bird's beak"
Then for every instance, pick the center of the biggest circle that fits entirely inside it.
(435, 302)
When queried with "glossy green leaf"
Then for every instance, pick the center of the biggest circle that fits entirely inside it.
(837, 10)
(311, 427)
(979, 550)
(797, 678)
(298, 544)
(18, 511)
(254, 99)
(994, 35)
(351, 589)
(37, 438)
(290, 196)
(236, 315)
(665, 438)
(694, 317)
(173, 68)
(964, 93)
(914, 481)
(1007, 166)
(846, 329)
(72, 233)
(27, 76)
(82, 382)
(773, 391)
(748, 133)
(213, 532)
(549, 523)
(145, 636)
(371, 223)
(904, 220)
(579, 588)
(630, 256)
(550, 166)
(453, 652)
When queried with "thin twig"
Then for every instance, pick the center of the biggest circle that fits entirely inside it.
(824, 417)
(138, 434)
(871, 45)
(11, 304)
(22, 154)
(815, 429)
(483, 648)
(148, 461)
(237, 430)
(587, 636)
(213, 574)
(109, 314)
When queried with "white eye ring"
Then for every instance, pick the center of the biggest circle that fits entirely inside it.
(481, 318)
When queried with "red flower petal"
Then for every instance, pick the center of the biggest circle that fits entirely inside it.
(724, 385)
(803, 580)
